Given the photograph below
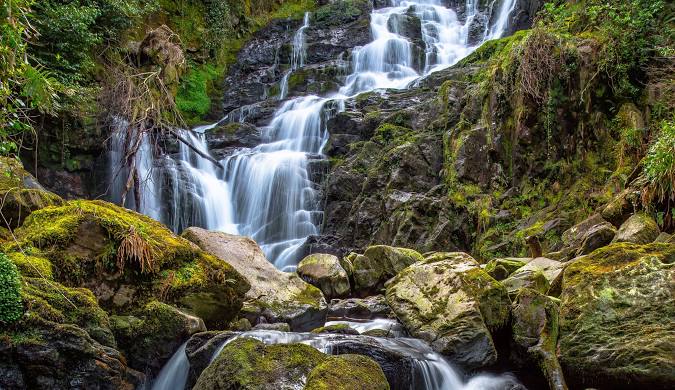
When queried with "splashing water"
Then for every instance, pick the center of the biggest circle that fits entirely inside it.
(266, 192)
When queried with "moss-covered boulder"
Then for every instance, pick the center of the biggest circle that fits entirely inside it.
(274, 296)
(535, 334)
(21, 193)
(640, 228)
(449, 301)
(336, 329)
(347, 372)
(500, 269)
(325, 272)
(617, 317)
(537, 274)
(152, 334)
(127, 259)
(378, 264)
(249, 364)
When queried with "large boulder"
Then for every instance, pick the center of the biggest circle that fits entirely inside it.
(450, 302)
(617, 318)
(21, 193)
(537, 274)
(378, 264)
(274, 295)
(501, 268)
(325, 272)
(127, 260)
(535, 334)
(249, 364)
(640, 228)
(585, 236)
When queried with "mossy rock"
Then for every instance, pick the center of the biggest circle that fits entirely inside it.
(249, 364)
(336, 329)
(325, 272)
(21, 193)
(128, 259)
(379, 263)
(453, 304)
(617, 316)
(640, 228)
(347, 372)
(500, 269)
(152, 334)
(32, 264)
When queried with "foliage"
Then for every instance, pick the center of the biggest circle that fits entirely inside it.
(11, 308)
(23, 87)
(627, 30)
(659, 164)
(193, 95)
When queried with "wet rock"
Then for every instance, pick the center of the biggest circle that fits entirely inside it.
(594, 229)
(336, 329)
(449, 301)
(233, 135)
(366, 308)
(379, 263)
(279, 327)
(535, 333)
(274, 295)
(325, 272)
(617, 315)
(200, 349)
(596, 237)
(640, 228)
(347, 372)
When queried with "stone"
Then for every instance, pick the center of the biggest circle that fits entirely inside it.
(200, 349)
(617, 317)
(500, 269)
(151, 336)
(450, 302)
(640, 228)
(336, 329)
(325, 272)
(380, 263)
(21, 193)
(246, 363)
(347, 372)
(596, 237)
(537, 274)
(279, 327)
(374, 306)
(274, 295)
(535, 333)
(574, 237)
(664, 237)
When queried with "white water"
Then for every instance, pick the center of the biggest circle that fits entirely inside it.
(266, 192)
(431, 369)
(392, 327)
(174, 374)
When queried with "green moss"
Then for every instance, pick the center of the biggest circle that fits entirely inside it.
(193, 98)
(30, 265)
(337, 328)
(249, 364)
(347, 372)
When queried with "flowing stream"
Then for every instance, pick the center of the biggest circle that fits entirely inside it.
(266, 192)
(430, 370)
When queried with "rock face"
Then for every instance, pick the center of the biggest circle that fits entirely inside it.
(449, 301)
(374, 306)
(274, 295)
(378, 264)
(640, 228)
(535, 333)
(617, 315)
(325, 272)
(249, 364)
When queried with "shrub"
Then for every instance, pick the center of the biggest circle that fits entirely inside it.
(11, 308)
(659, 164)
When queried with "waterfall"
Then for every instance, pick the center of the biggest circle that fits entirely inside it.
(174, 374)
(266, 192)
(297, 58)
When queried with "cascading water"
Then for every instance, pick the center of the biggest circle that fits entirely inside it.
(431, 370)
(266, 192)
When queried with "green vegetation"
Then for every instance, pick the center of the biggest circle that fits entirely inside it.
(660, 166)
(11, 308)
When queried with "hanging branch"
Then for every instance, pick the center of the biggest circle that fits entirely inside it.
(194, 149)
